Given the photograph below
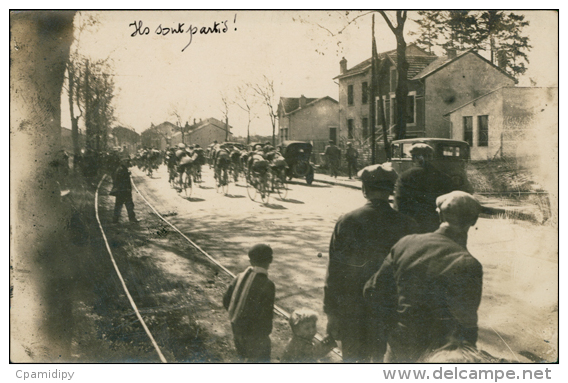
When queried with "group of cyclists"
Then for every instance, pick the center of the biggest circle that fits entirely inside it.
(148, 160)
(184, 166)
(230, 161)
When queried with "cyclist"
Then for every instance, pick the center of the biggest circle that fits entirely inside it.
(222, 163)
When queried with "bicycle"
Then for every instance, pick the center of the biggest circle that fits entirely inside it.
(222, 180)
(183, 183)
(259, 184)
(278, 176)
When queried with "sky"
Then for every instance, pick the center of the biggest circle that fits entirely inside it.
(157, 73)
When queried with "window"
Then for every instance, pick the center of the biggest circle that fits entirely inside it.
(395, 151)
(333, 134)
(350, 95)
(350, 128)
(393, 78)
(392, 114)
(410, 103)
(483, 130)
(365, 123)
(468, 130)
(365, 93)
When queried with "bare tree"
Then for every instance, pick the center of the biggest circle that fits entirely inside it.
(401, 92)
(247, 102)
(225, 111)
(347, 18)
(73, 68)
(265, 91)
(177, 111)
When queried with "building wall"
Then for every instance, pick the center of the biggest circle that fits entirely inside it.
(312, 123)
(205, 135)
(492, 106)
(520, 122)
(461, 81)
(358, 110)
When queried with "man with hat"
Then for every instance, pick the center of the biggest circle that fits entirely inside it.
(360, 242)
(351, 156)
(122, 190)
(333, 156)
(417, 188)
(250, 303)
(427, 292)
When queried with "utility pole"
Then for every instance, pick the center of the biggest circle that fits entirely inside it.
(372, 95)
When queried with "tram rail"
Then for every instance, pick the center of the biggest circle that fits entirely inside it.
(278, 310)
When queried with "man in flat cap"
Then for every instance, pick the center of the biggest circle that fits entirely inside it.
(333, 155)
(427, 292)
(250, 303)
(417, 188)
(360, 242)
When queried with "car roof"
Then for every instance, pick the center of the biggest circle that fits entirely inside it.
(429, 139)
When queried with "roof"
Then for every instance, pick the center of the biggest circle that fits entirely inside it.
(417, 61)
(211, 122)
(443, 61)
(292, 104)
(429, 139)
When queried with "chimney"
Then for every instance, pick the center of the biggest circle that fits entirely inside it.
(343, 66)
(194, 121)
(451, 53)
(302, 101)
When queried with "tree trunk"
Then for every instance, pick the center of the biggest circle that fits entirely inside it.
(402, 87)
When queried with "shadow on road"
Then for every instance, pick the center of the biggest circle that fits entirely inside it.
(274, 206)
(235, 196)
(290, 200)
(193, 199)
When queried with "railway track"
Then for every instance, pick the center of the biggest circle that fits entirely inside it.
(214, 262)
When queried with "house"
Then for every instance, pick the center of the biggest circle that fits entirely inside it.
(509, 121)
(159, 136)
(126, 139)
(205, 132)
(436, 86)
(308, 119)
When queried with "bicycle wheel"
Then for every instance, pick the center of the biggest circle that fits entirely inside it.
(251, 189)
(280, 188)
(186, 184)
(264, 188)
(225, 182)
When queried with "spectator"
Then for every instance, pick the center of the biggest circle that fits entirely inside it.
(427, 292)
(122, 190)
(417, 188)
(250, 302)
(301, 347)
(360, 242)
(351, 156)
(333, 156)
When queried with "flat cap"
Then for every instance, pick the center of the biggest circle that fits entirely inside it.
(381, 176)
(421, 149)
(260, 253)
(458, 207)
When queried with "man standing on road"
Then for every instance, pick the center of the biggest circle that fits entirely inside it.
(122, 190)
(351, 156)
(360, 242)
(417, 188)
(427, 292)
(333, 155)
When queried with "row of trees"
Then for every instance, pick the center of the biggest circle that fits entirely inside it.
(90, 91)
(249, 97)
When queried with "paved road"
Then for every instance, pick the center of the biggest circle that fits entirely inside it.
(518, 314)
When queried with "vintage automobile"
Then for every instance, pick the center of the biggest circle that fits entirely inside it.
(450, 157)
(297, 155)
